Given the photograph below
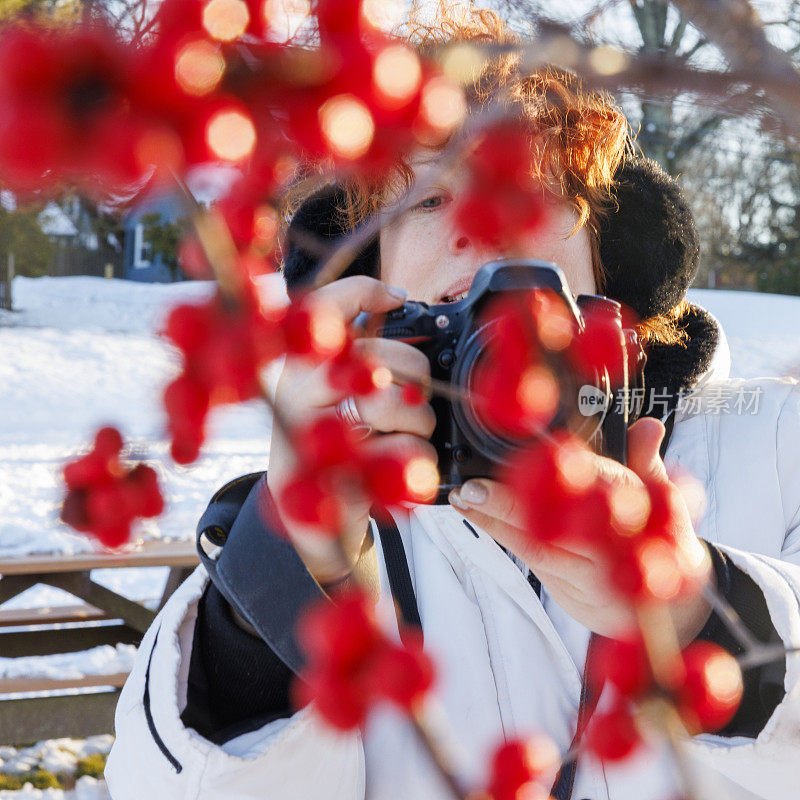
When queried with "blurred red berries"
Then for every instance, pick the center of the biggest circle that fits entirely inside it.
(704, 683)
(65, 109)
(224, 343)
(503, 200)
(335, 467)
(104, 496)
(352, 665)
(561, 495)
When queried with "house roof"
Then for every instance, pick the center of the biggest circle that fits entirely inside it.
(54, 222)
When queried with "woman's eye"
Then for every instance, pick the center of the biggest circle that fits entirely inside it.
(430, 203)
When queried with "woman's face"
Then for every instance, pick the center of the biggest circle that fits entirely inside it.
(422, 253)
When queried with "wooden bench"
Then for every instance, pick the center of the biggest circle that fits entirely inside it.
(103, 617)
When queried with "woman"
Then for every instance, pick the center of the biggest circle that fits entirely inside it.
(206, 713)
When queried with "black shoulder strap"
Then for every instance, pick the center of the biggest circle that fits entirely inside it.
(565, 779)
(397, 568)
(669, 424)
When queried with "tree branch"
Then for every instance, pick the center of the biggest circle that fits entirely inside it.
(735, 28)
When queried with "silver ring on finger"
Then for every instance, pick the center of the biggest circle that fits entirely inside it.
(347, 412)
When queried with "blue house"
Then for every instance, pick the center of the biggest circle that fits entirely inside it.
(140, 262)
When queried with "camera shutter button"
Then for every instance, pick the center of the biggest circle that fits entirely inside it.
(461, 454)
(446, 359)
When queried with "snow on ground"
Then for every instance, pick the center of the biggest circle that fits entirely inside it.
(58, 756)
(81, 352)
(763, 330)
(86, 788)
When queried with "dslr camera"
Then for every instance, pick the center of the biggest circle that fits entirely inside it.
(454, 336)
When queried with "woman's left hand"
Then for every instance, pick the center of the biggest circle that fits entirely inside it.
(575, 577)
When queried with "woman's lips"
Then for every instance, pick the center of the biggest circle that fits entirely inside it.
(459, 287)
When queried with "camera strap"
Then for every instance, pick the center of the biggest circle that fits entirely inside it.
(394, 554)
(590, 694)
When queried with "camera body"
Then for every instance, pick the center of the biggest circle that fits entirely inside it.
(453, 336)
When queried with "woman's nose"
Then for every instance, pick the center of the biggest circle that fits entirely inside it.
(459, 242)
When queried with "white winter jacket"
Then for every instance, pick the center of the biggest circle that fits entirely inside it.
(508, 663)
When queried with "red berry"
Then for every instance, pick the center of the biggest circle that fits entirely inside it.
(710, 688)
(87, 471)
(623, 663)
(385, 481)
(107, 442)
(142, 484)
(600, 345)
(517, 764)
(327, 442)
(306, 500)
(612, 735)
(402, 674)
(412, 394)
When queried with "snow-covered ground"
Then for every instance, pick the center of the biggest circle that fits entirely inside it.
(77, 353)
(59, 757)
(81, 352)
(763, 330)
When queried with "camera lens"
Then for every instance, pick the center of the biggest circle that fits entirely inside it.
(484, 432)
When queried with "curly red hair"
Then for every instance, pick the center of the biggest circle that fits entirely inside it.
(579, 136)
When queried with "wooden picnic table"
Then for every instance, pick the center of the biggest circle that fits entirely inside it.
(102, 616)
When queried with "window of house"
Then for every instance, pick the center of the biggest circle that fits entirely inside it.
(142, 249)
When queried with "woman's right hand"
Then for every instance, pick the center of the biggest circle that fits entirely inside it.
(303, 394)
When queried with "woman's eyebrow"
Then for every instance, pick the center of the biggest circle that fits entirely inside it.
(423, 162)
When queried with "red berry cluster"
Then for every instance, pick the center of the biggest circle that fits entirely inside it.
(334, 466)
(372, 97)
(353, 665)
(224, 344)
(502, 201)
(514, 390)
(210, 83)
(64, 109)
(104, 496)
(534, 347)
(630, 527)
(705, 685)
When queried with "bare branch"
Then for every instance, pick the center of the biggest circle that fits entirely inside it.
(678, 34)
(735, 28)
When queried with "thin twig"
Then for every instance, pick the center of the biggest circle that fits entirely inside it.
(765, 654)
(663, 650)
(437, 756)
(669, 722)
(731, 620)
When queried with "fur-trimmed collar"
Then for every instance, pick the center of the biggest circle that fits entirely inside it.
(675, 368)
